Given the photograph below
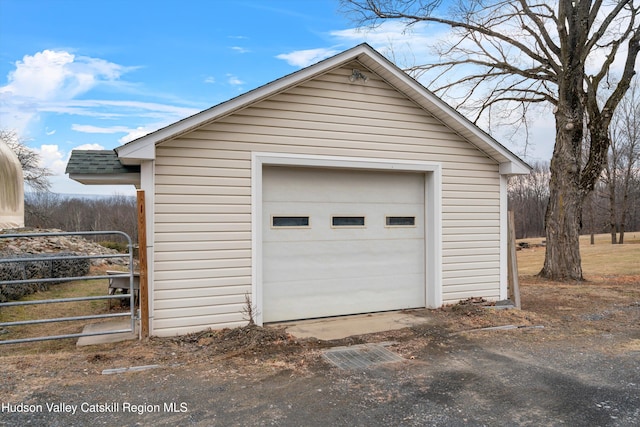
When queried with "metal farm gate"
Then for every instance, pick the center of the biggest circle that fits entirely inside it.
(124, 279)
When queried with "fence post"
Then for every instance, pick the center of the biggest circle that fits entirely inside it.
(512, 261)
(142, 254)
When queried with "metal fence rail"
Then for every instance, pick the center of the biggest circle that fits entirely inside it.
(129, 275)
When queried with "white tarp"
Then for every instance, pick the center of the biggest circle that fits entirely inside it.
(11, 189)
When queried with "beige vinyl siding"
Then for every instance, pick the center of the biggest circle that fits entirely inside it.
(202, 265)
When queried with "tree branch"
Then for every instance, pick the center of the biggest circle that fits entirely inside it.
(376, 7)
(543, 31)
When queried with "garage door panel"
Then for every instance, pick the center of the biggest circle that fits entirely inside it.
(324, 232)
(336, 259)
(324, 270)
(293, 300)
(312, 185)
(321, 228)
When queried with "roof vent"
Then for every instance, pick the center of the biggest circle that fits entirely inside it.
(356, 74)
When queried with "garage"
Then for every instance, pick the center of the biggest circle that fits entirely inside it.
(338, 242)
(318, 194)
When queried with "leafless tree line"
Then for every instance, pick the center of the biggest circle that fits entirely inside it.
(613, 206)
(48, 210)
(528, 198)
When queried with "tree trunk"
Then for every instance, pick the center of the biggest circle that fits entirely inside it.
(614, 234)
(613, 214)
(623, 214)
(592, 237)
(612, 209)
(626, 190)
(562, 257)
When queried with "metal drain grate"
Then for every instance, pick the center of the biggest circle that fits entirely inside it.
(360, 356)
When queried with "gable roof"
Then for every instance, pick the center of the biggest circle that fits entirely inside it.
(143, 148)
(100, 167)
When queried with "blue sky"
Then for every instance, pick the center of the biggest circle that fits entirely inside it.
(85, 74)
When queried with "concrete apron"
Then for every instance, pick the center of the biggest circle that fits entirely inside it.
(111, 325)
(335, 328)
(331, 328)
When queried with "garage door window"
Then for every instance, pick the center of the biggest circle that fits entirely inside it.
(282, 221)
(400, 221)
(347, 221)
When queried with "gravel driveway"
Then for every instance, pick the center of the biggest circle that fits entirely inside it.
(477, 381)
(581, 369)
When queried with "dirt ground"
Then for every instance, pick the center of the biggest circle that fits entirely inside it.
(573, 359)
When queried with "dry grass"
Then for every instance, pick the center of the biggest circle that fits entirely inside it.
(51, 311)
(599, 260)
(600, 315)
(609, 268)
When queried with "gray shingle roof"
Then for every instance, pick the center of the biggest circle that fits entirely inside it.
(97, 162)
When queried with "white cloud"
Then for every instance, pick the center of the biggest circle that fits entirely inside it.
(381, 35)
(46, 75)
(98, 129)
(210, 80)
(391, 38)
(51, 81)
(234, 80)
(51, 76)
(137, 133)
(58, 75)
(131, 133)
(105, 109)
(304, 58)
(88, 147)
(162, 115)
(52, 158)
(240, 49)
(403, 46)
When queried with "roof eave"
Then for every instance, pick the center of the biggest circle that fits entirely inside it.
(143, 144)
(445, 113)
(143, 148)
(107, 179)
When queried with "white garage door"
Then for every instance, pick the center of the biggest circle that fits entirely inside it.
(339, 242)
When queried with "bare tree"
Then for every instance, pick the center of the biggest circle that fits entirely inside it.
(528, 197)
(50, 210)
(525, 52)
(624, 155)
(35, 175)
(610, 178)
(40, 207)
